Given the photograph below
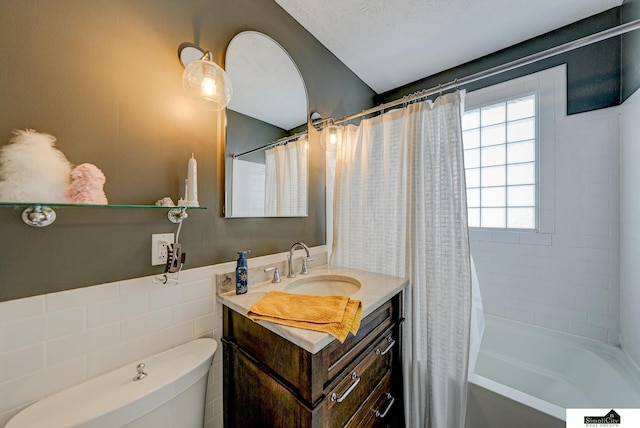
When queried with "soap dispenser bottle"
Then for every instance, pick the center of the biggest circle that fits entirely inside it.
(242, 272)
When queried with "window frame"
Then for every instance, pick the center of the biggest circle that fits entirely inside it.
(551, 85)
(505, 100)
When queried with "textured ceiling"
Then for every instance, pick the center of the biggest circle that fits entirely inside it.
(389, 43)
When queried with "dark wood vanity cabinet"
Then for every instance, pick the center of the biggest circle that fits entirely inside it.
(271, 382)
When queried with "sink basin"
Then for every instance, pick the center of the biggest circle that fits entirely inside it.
(324, 285)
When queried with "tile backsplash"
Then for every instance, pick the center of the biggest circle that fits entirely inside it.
(50, 342)
(225, 282)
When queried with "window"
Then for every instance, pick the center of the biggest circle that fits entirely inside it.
(499, 143)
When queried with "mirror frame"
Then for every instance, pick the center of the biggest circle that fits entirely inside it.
(260, 126)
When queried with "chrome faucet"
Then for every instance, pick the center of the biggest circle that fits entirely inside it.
(292, 267)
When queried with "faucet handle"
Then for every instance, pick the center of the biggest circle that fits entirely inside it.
(305, 268)
(276, 274)
(141, 374)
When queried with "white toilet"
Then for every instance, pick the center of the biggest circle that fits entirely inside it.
(168, 391)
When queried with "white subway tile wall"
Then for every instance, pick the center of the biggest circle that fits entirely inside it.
(630, 227)
(53, 341)
(565, 276)
(50, 342)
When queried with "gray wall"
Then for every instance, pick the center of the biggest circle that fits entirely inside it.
(593, 72)
(630, 64)
(104, 78)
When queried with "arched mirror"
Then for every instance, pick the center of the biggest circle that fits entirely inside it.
(266, 154)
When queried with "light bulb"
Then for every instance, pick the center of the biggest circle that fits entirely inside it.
(331, 138)
(208, 86)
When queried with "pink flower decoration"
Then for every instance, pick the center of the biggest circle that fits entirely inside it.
(86, 186)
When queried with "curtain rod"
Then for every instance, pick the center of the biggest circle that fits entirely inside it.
(279, 141)
(530, 59)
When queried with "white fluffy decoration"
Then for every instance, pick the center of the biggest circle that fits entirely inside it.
(33, 170)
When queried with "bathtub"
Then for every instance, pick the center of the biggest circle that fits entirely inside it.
(527, 376)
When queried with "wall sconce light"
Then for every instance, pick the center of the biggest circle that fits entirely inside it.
(331, 137)
(330, 133)
(206, 84)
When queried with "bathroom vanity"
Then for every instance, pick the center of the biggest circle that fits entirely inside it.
(287, 377)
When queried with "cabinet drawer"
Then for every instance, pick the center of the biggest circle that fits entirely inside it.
(378, 410)
(337, 356)
(355, 386)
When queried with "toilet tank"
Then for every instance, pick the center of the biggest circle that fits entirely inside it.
(172, 394)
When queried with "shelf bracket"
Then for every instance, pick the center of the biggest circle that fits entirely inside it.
(177, 215)
(38, 215)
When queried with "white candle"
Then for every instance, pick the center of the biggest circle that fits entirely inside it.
(192, 187)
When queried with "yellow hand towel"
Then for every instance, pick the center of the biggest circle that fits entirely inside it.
(336, 315)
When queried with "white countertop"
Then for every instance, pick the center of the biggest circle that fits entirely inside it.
(375, 290)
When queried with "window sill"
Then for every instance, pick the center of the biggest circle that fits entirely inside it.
(515, 236)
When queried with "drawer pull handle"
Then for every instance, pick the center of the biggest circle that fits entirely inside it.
(388, 348)
(383, 414)
(356, 381)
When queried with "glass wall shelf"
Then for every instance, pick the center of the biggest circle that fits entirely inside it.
(38, 214)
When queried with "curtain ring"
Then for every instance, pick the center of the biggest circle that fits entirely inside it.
(414, 97)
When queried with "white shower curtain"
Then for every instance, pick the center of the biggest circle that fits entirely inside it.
(400, 209)
(286, 179)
